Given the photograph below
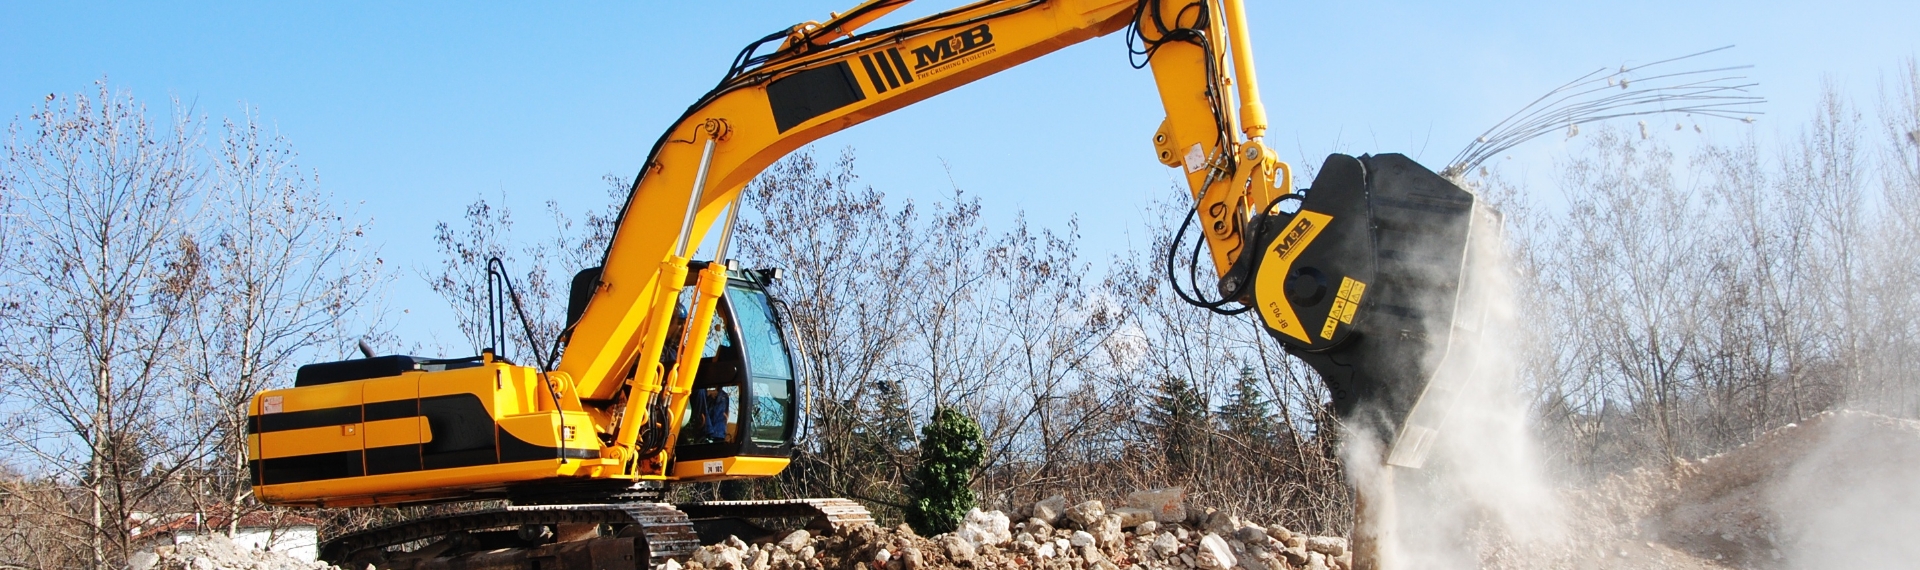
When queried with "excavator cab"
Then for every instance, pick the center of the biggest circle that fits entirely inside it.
(740, 416)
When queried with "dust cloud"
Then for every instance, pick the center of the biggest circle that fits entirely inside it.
(1838, 490)
(1482, 493)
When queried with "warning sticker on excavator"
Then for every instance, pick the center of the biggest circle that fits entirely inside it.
(1196, 159)
(1270, 284)
(1344, 304)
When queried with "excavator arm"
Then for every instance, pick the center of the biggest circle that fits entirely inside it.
(825, 77)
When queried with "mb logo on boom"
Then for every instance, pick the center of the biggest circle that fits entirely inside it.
(967, 41)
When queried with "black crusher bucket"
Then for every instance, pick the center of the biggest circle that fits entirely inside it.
(1367, 283)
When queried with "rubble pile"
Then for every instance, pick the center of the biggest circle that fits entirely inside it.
(217, 552)
(1154, 530)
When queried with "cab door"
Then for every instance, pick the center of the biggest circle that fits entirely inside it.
(740, 416)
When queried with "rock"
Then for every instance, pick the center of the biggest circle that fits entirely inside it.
(1219, 522)
(1252, 535)
(1147, 528)
(1297, 542)
(1024, 538)
(1181, 533)
(1167, 505)
(1316, 561)
(1050, 509)
(959, 550)
(670, 564)
(718, 557)
(142, 560)
(760, 560)
(1043, 551)
(1091, 553)
(1257, 563)
(794, 540)
(1166, 544)
(882, 556)
(1279, 533)
(911, 559)
(1039, 527)
(1295, 556)
(1081, 538)
(1107, 530)
(806, 552)
(1131, 517)
(985, 528)
(1215, 554)
(1087, 513)
(1328, 545)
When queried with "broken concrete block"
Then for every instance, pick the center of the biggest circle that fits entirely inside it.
(1168, 505)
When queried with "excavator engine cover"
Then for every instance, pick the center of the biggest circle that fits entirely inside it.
(1364, 283)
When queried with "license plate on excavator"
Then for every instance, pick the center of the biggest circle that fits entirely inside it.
(1374, 282)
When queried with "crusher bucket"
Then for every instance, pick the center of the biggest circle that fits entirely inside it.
(1370, 282)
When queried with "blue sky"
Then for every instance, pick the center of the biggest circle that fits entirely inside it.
(410, 110)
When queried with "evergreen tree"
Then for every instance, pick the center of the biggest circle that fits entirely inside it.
(941, 489)
(1248, 415)
(1179, 416)
(892, 428)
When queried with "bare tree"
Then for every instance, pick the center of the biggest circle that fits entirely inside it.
(283, 279)
(1895, 276)
(850, 276)
(1635, 269)
(96, 307)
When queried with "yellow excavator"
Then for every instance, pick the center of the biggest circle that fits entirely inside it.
(671, 370)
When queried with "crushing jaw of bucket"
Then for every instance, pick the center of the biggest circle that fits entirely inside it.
(1369, 281)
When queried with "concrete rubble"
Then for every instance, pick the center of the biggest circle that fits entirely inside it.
(1766, 505)
(1150, 530)
(216, 552)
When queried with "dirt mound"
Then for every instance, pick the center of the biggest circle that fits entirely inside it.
(1841, 489)
(216, 552)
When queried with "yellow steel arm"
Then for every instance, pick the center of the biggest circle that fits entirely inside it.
(825, 77)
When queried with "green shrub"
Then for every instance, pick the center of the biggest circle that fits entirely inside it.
(941, 488)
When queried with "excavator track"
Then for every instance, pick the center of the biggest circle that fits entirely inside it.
(574, 536)
(823, 515)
